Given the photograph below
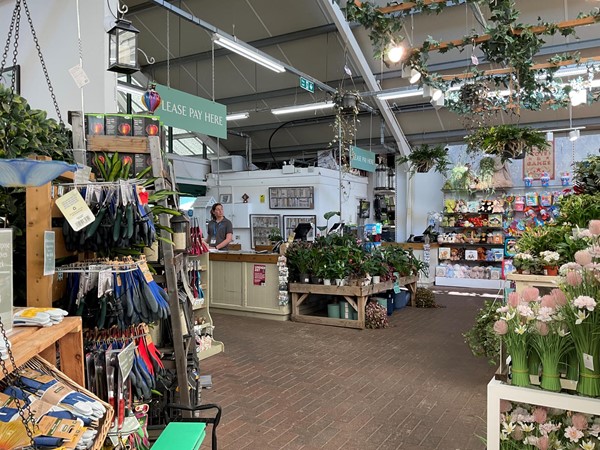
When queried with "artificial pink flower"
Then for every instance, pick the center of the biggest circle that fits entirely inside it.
(505, 406)
(594, 227)
(585, 302)
(579, 421)
(518, 434)
(559, 296)
(501, 327)
(549, 301)
(530, 294)
(540, 414)
(542, 328)
(513, 299)
(583, 257)
(574, 278)
(543, 443)
(573, 434)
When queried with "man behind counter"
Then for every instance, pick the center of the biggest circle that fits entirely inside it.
(220, 229)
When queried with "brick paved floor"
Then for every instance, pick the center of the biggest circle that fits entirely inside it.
(415, 385)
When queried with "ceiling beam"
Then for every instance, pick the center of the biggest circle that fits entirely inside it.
(337, 16)
(212, 29)
(259, 43)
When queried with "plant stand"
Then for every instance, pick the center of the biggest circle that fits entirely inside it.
(356, 296)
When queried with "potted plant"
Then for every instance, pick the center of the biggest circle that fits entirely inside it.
(526, 263)
(550, 260)
(586, 175)
(424, 157)
(299, 259)
(328, 215)
(275, 235)
(507, 141)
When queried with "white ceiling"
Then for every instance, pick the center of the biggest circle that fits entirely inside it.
(303, 35)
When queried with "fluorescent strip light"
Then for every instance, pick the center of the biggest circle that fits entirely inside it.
(302, 108)
(248, 52)
(400, 94)
(238, 116)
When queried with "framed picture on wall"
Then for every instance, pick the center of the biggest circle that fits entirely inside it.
(225, 198)
(7, 75)
(291, 222)
(261, 226)
(299, 197)
(538, 162)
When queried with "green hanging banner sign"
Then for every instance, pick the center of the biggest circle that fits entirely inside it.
(362, 159)
(185, 111)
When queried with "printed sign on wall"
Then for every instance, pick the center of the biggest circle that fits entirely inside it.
(538, 162)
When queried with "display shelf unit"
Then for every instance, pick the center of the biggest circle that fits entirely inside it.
(466, 244)
(469, 282)
(203, 312)
(544, 283)
(385, 207)
(356, 296)
(497, 390)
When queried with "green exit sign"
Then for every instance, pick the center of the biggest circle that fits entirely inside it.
(307, 85)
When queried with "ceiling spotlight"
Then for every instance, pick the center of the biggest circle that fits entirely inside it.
(574, 135)
(415, 76)
(436, 94)
(438, 103)
(578, 97)
(549, 136)
(395, 53)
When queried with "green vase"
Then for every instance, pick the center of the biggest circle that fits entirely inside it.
(520, 369)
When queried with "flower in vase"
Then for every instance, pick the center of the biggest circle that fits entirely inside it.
(530, 294)
(540, 415)
(585, 302)
(573, 434)
(594, 227)
(559, 296)
(500, 327)
(583, 257)
(579, 421)
(573, 278)
(588, 445)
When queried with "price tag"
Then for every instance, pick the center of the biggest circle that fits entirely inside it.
(146, 271)
(588, 362)
(105, 282)
(79, 76)
(49, 253)
(397, 288)
(125, 358)
(75, 210)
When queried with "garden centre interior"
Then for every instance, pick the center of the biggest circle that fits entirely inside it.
(413, 195)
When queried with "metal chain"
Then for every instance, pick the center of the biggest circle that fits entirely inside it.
(28, 422)
(39, 50)
(16, 45)
(8, 39)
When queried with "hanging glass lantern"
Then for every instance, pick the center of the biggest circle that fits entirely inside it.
(381, 181)
(391, 179)
(122, 47)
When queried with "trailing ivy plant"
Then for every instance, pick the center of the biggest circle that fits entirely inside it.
(481, 338)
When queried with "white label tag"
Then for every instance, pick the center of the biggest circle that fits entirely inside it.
(76, 212)
(105, 280)
(79, 76)
(588, 362)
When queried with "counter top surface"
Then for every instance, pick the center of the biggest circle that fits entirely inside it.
(244, 256)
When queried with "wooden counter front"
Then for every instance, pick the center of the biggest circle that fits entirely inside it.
(413, 245)
(246, 284)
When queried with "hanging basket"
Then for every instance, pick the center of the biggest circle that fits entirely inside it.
(424, 166)
(514, 150)
(30, 172)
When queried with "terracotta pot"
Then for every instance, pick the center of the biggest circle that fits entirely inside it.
(551, 271)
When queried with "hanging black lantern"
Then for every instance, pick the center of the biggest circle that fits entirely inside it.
(122, 47)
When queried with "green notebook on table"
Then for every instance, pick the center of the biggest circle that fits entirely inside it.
(186, 435)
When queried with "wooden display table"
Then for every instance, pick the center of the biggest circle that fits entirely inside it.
(543, 282)
(28, 342)
(355, 295)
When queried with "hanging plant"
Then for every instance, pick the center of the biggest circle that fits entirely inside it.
(347, 107)
(423, 158)
(506, 141)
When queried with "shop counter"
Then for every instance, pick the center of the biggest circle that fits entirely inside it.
(246, 284)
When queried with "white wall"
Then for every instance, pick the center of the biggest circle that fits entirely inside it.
(257, 183)
(55, 22)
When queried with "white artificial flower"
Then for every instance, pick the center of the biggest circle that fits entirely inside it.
(581, 316)
(521, 329)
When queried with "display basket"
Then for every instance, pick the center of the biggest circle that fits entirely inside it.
(40, 364)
